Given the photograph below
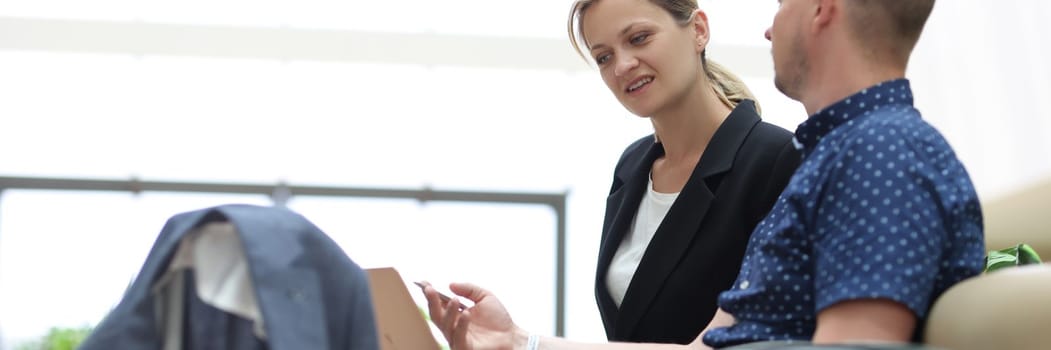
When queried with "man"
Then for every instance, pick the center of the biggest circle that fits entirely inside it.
(876, 223)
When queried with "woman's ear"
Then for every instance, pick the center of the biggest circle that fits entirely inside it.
(699, 20)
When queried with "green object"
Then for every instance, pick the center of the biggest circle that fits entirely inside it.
(1021, 254)
(59, 339)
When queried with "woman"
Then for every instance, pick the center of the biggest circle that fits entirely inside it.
(685, 199)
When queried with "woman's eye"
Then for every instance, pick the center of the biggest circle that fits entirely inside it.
(601, 59)
(638, 39)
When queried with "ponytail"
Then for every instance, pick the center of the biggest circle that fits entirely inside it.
(730, 89)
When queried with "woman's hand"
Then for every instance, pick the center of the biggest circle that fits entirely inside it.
(484, 326)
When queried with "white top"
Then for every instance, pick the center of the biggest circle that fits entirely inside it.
(648, 218)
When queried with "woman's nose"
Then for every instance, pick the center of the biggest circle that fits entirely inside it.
(625, 64)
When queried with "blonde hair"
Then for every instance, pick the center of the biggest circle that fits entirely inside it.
(728, 87)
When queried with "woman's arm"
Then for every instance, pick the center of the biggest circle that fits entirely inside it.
(487, 325)
(721, 319)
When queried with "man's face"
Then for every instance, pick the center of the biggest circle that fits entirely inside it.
(787, 47)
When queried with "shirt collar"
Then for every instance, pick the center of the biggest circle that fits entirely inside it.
(891, 92)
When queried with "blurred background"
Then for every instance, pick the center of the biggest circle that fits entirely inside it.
(458, 95)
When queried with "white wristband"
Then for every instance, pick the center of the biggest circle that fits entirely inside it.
(533, 342)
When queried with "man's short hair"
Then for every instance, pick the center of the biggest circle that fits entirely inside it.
(889, 24)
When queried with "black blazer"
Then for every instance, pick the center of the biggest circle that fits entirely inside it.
(697, 250)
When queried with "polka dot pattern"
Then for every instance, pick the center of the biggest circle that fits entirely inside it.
(879, 208)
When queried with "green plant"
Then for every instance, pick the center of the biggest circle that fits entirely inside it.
(1021, 254)
(59, 339)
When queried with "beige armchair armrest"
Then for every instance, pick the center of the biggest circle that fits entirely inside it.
(1005, 309)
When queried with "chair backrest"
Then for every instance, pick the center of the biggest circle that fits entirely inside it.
(1005, 309)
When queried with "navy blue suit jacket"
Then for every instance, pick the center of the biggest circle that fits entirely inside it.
(311, 295)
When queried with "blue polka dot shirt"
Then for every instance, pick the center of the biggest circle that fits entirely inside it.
(879, 208)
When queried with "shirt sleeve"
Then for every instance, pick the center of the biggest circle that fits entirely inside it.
(877, 230)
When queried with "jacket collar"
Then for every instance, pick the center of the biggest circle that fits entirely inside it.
(721, 151)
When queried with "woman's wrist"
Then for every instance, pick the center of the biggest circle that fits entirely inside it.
(533, 342)
(520, 339)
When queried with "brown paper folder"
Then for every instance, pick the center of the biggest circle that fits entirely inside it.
(399, 322)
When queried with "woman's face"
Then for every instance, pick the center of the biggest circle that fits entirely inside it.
(647, 60)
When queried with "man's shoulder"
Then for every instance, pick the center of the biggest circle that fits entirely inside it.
(893, 126)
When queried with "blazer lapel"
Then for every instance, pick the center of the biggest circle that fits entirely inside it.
(680, 226)
(621, 206)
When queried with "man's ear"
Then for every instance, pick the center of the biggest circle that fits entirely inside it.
(700, 30)
(823, 13)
